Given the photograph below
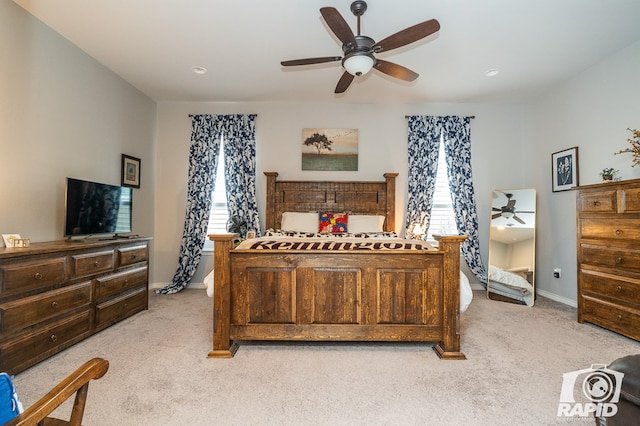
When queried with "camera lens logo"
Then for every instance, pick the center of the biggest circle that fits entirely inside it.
(598, 387)
(594, 390)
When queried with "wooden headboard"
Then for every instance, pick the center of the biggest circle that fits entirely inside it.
(336, 196)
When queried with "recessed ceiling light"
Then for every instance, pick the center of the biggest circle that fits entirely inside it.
(199, 70)
(492, 72)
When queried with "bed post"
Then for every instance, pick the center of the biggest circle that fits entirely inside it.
(449, 347)
(390, 222)
(271, 204)
(223, 347)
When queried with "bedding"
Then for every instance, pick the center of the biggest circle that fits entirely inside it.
(282, 240)
(511, 285)
(312, 222)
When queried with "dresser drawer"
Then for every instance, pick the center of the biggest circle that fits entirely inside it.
(628, 229)
(631, 197)
(121, 307)
(132, 255)
(117, 283)
(20, 353)
(616, 318)
(92, 263)
(22, 276)
(22, 313)
(610, 257)
(621, 289)
(601, 201)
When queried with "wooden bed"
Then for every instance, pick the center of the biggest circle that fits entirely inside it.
(303, 295)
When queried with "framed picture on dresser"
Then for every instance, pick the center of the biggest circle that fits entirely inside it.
(564, 169)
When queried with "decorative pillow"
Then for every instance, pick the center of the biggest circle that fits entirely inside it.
(334, 223)
(299, 222)
(360, 223)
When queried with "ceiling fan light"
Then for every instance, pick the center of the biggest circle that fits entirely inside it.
(358, 64)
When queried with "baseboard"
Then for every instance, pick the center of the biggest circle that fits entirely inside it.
(543, 293)
(157, 286)
(557, 298)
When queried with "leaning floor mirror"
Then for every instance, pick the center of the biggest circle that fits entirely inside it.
(512, 246)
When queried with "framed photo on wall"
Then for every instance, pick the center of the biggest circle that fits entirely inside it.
(130, 171)
(564, 169)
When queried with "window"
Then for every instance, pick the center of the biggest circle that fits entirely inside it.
(443, 219)
(219, 214)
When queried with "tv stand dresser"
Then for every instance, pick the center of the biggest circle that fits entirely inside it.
(55, 294)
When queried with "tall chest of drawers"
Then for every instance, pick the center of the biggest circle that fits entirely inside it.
(608, 243)
(55, 294)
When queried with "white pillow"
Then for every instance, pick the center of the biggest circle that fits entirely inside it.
(504, 277)
(365, 223)
(300, 222)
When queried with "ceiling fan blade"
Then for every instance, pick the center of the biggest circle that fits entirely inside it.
(495, 209)
(338, 25)
(344, 82)
(309, 61)
(495, 216)
(408, 35)
(511, 204)
(395, 70)
(519, 220)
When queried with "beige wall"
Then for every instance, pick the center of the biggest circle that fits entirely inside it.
(382, 148)
(63, 114)
(591, 111)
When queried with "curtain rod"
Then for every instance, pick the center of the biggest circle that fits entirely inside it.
(191, 115)
(472, 116)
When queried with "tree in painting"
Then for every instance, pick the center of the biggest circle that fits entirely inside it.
(318, 141)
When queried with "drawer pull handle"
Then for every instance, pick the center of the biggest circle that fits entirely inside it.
(96, 264)
(54, 304)
(619, 260)
(596, 203)
(619, 289)
(37, 276)
(53, 338)
(618, 232)
(134, 257)
(619, 317)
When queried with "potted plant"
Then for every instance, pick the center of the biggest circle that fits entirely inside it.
(635, 146)
(607, 174)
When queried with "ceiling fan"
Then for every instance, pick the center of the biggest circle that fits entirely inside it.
(508, 211)
(359, 50)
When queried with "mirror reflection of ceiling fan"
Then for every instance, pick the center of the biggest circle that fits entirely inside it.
(508, 211)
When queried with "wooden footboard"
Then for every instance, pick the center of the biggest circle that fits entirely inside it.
(407, 296)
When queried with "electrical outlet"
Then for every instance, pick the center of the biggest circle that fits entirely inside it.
(556, 273)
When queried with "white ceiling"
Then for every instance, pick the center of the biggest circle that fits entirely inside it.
(153, 45)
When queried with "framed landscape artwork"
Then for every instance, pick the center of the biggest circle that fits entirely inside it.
(330, 149)
(564, 169)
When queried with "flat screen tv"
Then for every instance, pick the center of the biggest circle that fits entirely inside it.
(93, 208)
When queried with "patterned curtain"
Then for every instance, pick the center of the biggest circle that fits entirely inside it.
(457, 148)
(424, 140)
(206, 133)
(240, 168)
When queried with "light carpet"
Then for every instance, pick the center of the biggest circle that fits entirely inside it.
(160, 375)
